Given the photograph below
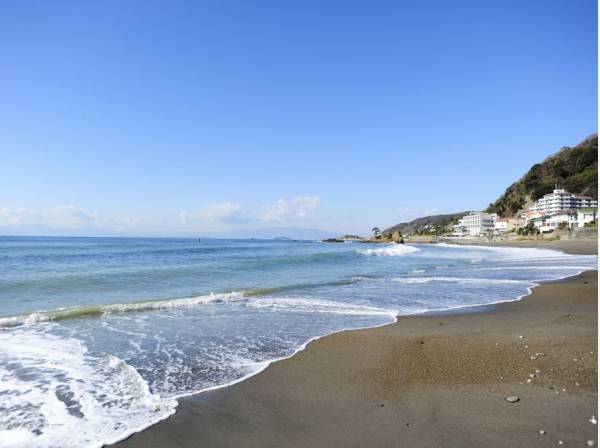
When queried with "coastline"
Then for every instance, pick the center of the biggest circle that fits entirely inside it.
(572, 246)
(426, 380)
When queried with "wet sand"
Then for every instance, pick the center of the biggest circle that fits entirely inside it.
(574, 246)
(426, 381)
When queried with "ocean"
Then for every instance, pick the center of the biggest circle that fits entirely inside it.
(99, 337)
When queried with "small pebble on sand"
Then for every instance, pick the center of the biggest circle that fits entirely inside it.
(512, 399)
(541, 431)
(591, 443)
(593, 420)
(560, 442)
(533, 358)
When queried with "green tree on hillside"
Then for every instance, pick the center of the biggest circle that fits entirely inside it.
(376, 232)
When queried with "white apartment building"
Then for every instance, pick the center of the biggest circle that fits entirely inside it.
(504, 225)
(558, 201)
(475, 224)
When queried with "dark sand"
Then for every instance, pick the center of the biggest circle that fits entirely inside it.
(425, 381)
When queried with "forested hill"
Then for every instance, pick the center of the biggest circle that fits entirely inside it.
(420, 223)
(574, 169)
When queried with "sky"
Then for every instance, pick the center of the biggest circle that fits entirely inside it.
(231, 117)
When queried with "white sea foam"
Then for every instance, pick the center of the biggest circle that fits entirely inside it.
(57, 394)
(504, 253)
(317, 306)
(477, 281)
(390, 250)
(537, 268)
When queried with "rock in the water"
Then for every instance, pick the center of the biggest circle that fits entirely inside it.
(512, 399)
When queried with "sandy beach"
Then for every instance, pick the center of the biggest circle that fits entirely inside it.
(436, 380)
(574, 246)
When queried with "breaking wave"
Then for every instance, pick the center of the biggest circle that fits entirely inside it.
(99, 310)
(390, 250)
(66, 387)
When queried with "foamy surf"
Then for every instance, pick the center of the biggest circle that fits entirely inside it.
(472, 281)
(318, 306)
(390, 250)
(57, 394)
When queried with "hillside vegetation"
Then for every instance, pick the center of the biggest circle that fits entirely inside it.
(439, 221)
(575, 169)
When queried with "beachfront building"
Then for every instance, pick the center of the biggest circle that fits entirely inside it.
(504, 225)
(475, 224)
(586, 216)
(559, 200)
(568, 219)
(550, 223)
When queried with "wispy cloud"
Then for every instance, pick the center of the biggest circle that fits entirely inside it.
(224, 212)
(217, 216)
(296, 209)
(13, 217)
(62, 216)
(291, 210)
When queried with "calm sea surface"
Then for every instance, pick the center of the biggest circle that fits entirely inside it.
(100, 336)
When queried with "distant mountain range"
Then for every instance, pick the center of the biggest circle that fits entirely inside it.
(574, 169)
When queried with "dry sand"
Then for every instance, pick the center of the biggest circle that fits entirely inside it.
(425, 381)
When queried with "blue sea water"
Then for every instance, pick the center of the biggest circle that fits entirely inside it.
(100, 336)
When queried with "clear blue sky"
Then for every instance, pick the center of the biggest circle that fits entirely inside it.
(139, 117)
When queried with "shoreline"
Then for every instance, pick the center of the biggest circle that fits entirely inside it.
(206, 408)
(569, 246)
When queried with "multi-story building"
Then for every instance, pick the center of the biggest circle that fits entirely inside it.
(475, 224)
(558, 201)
